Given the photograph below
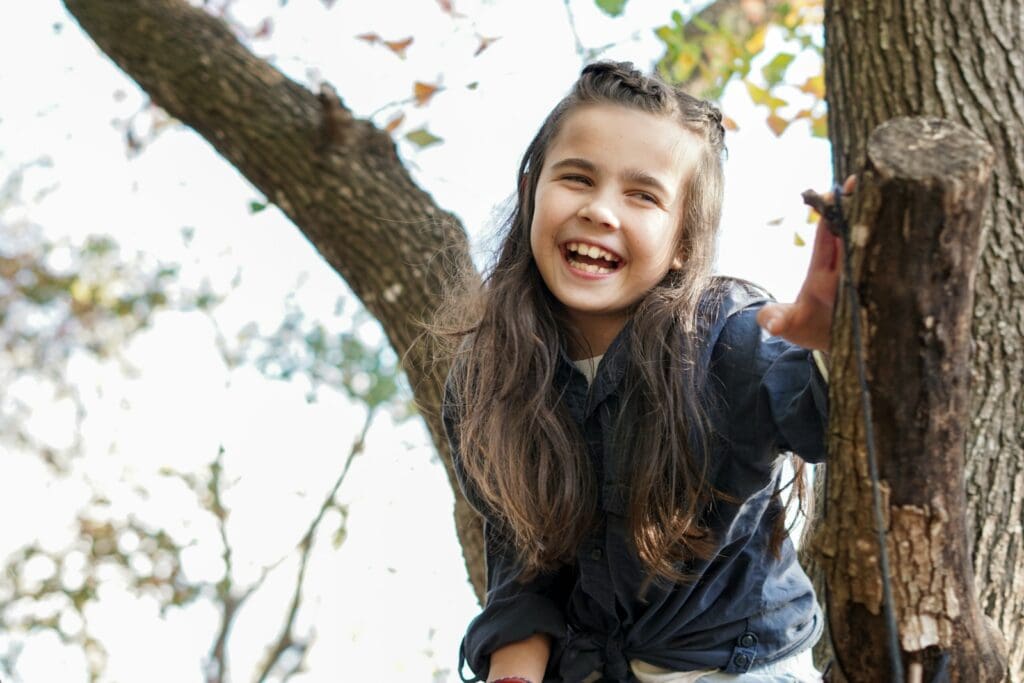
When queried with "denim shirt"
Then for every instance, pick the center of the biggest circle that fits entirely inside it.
(745, 607)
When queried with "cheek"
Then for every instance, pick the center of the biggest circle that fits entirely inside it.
(538, 237)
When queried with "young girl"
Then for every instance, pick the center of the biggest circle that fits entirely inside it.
(616, 414)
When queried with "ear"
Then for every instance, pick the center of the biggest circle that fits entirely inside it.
(677, 262)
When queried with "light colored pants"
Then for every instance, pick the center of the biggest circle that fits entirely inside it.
(798, 668)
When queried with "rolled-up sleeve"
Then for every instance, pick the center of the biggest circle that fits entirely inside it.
(514, 609)
(798, 399)
(789, 410)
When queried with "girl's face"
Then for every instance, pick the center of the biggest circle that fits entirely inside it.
(607, 213)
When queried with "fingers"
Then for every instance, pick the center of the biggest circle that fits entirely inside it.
(774, 317)
(825, 254)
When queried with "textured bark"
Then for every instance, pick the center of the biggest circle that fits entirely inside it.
(337, 178)
(915, 239)
(962, 61)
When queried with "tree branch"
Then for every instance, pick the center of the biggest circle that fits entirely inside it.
(286, 639)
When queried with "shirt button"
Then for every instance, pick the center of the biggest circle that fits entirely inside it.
(748, 640)
(596, 554)
(741, 661)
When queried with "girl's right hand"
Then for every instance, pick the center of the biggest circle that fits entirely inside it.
(807, 322)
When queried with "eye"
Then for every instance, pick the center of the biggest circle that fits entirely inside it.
(576, 178)
(646, 197)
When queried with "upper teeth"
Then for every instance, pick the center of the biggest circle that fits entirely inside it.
(591, 251)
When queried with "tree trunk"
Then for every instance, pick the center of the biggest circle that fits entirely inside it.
(337, 178)
(914, 248)
(960, 61)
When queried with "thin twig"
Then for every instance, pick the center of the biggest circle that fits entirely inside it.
(218, 656)
(286, 640)
(225, 588)
(589, 54)
(581, 52)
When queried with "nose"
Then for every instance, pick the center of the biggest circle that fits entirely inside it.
(599, 212)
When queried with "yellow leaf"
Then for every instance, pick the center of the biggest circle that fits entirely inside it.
(421, 137)
(813, 216)
(761, 96)
(798, 240)
(777, 124)
(729, 123)
(399, 46)
(802, 114)
(757, 94)
(819, 126)
(370, 38)
(685, 63)
(776, 221)
(394, 122)
(81, 292)
(755, 43)
(815, 85)
(423, 92)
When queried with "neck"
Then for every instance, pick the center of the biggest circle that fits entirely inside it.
(592, 337)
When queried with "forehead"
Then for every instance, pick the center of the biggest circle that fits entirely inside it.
(616, 137)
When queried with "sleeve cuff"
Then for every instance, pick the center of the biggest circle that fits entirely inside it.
(509, 621)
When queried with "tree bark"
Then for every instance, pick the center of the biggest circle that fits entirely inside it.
(960, 61)
(915, 240)
(339, 179)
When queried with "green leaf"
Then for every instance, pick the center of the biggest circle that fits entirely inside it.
(775, 70)
(703, 24)
(256, 207)
(671, 38)
(612, 8)
(761, 96)
(422, 138)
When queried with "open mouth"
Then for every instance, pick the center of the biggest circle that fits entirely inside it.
(590, 259)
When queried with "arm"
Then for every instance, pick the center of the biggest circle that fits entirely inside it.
(526, 658)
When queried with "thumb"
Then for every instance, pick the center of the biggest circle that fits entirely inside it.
(773, 317)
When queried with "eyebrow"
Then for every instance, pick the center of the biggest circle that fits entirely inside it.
(633, 175)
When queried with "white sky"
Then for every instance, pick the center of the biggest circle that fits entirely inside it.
(392, 602)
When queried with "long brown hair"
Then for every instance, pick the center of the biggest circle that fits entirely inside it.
(521, 454)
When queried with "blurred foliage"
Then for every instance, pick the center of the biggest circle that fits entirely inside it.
(706, 53)
(612, 8)
(61, 299)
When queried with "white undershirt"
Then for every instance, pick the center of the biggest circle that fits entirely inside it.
(588, 366)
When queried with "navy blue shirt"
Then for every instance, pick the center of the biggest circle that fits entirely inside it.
(745, 607)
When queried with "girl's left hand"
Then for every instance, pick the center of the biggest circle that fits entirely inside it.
(807, 321)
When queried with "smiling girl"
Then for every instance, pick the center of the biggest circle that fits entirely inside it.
(618, 417)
